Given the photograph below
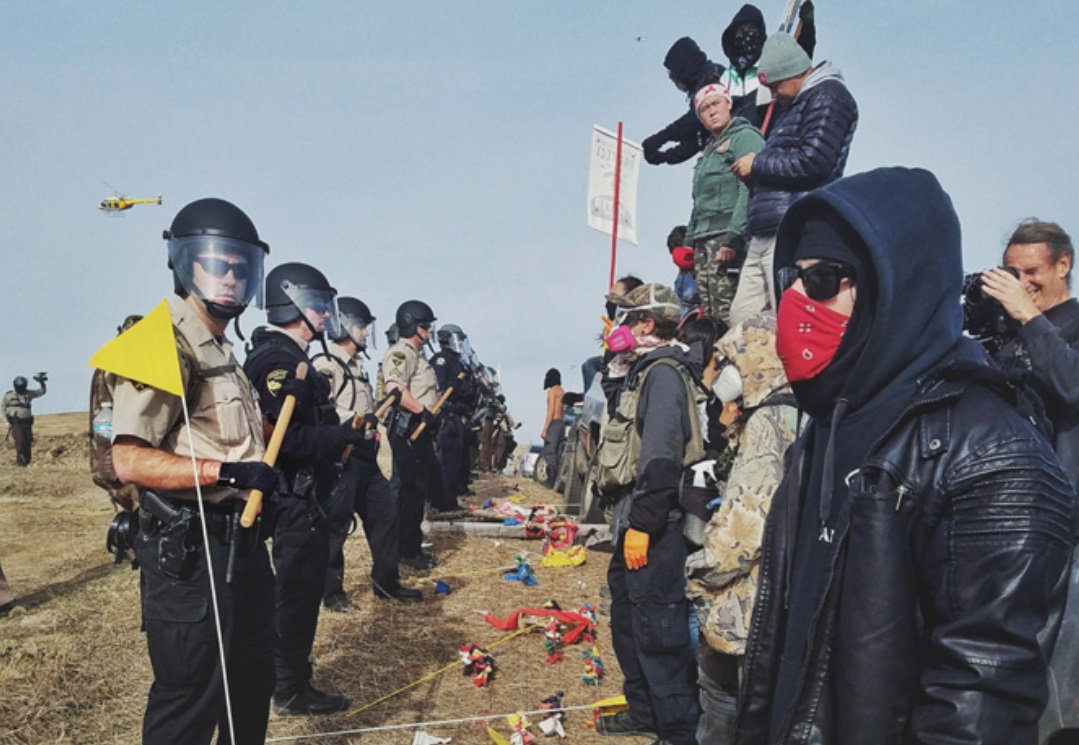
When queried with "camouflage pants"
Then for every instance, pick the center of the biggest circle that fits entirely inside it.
(714, 278)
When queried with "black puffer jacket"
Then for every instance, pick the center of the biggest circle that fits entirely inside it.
(806, 148)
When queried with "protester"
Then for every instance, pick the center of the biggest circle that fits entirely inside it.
(717, 225)
(760, 418)
(807, 148)
(743, 41)
(914, 563)
(688, 68)
(554, 423)
(653, 433)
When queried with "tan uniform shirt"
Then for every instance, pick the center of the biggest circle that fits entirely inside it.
(350, 390)
(17, 405)
(405, 364)
(225, 421)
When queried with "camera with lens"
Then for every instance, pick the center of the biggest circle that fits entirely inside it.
(984, 318)
(123, 531)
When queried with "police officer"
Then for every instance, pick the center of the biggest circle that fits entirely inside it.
(415, 465)
(363, 489)
(20, 419)
(216, 259)
(301, 307)
(451, 371)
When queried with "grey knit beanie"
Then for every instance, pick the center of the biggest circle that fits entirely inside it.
(781, 59)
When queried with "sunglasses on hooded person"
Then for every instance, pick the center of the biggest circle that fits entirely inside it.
(820, 281)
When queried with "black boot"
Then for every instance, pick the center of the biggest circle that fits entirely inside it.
(308, 701)
(394, 590)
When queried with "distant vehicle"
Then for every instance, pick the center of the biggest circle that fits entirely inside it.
(119, 203)
(528, 461)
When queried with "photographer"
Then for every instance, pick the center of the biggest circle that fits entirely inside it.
(1047, 345)
(1047, 341)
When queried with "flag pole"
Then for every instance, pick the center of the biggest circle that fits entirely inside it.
(617, 184)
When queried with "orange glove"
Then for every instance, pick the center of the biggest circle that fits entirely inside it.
(635, 549)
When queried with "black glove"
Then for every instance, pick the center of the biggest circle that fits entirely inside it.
(41, 377)
(370, 422)
(429, 419)
(252, 474)
(294, 387)
(352, 436)
(366, 449)
(805, 13)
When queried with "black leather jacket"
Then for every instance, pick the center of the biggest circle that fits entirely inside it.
(946, 589)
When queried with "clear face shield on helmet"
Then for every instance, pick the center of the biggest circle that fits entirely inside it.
(457, 342)
(219, 270)
(318, 307)
(363, 335)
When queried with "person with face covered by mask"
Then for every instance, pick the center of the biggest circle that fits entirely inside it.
(688, 68)
(912, 576)
(743, 41)
(301, 308)
(652, 434)
(760, 419)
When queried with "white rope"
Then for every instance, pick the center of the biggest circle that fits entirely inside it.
(210, 572)
(434, 723)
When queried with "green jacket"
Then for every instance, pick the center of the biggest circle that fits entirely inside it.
(719, 197)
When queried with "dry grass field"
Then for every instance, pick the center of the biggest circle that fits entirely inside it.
(73, 664)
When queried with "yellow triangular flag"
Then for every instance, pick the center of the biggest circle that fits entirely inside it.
(495, 737)
(611, 702)
(145, 353)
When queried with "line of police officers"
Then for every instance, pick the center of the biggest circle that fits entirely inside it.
(325, 472)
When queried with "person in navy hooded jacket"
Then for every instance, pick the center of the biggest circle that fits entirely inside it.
(913, 570)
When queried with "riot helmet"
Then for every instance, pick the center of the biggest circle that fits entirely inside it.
(411, 314)
(300, 291)
(357, 323)
(392, 334)
(452, 336)
(20, 384)
(215, 254)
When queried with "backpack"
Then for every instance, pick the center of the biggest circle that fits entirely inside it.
(102, 384)
(620, 442)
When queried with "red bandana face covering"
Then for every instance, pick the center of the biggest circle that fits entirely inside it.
(807, 335)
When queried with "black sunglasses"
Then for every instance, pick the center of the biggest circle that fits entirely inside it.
(216, 267)
(425, 326)
(821, 281)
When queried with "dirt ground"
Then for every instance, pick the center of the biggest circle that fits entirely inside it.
(73, 663)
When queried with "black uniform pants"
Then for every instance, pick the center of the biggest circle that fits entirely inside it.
(23, 435)
(419, 479)
(363, 490)
(187, 698)
(300, 556)
(650, 635)
(451, 456)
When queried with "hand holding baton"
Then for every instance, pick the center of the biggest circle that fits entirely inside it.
(358, 420)
(434, 409)
(254, 499)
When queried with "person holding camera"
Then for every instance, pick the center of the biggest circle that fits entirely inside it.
(1046, 342)
(20, 419)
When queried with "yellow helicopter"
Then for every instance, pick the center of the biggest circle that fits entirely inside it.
(119, 203)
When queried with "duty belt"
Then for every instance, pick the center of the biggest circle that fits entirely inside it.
(220, 518)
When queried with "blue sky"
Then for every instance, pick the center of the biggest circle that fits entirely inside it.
(439, 150)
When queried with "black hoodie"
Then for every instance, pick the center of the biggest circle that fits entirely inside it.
(912, 321)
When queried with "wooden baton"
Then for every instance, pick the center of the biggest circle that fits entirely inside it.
(434, 409)
(357, 422)
(254, 499)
